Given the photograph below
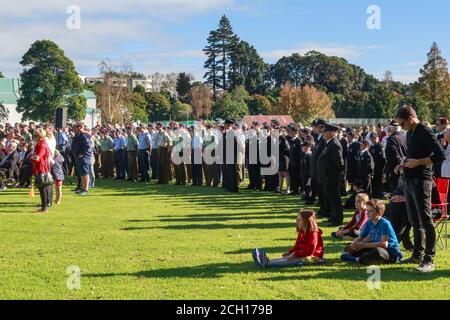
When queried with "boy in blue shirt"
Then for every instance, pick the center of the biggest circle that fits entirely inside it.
(377, 242)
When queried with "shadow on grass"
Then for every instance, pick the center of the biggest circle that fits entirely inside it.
(217, 270)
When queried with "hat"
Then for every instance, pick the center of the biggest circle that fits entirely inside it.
(229, 121)
(319, 123)
(331, 128)
(275, 122)
(394, 123)
(374, 135)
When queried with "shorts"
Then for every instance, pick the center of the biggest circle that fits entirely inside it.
(82, 167)
(58, 183)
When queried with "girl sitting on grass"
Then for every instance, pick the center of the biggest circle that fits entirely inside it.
(308, 247)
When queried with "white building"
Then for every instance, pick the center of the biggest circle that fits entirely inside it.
(10, 93)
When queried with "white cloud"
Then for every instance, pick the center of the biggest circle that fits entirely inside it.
(345, 51)
(132, 30)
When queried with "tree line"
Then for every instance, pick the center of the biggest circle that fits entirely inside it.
(237, 82)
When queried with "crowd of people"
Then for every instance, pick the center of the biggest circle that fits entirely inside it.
(323, 162)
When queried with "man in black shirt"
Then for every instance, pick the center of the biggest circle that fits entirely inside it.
(423, 151)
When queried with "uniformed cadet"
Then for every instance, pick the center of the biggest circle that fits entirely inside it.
(132, 153)
(329, 169)
(230, 161)
(145, 149)
(180, 169)
(379, 159)
(163, 145)
(106, 149)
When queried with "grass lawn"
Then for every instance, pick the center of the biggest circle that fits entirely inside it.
(137, 241)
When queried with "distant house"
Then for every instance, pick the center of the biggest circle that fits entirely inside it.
(10, 93)
(284, 120)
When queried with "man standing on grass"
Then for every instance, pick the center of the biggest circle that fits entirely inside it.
(423, 150)
(82, 150)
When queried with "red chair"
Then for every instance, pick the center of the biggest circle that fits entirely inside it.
(440, 224)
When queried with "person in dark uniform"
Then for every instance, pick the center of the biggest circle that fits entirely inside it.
(379, 159)
(318, 130)
(271, 181)
(253, 145)
(395, 151)
(329, 169)
(230, 161)
(305, 171)
(295, 159)
(365, 166)
(353, 152)
(343, 141)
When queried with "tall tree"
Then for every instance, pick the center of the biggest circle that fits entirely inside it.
(233, 104)
(247, 69)
(221, 45)
(112, 94)
(184, 84)
(434, 83)
(200, 99)
(49, 79)
(1, 75)
(212, 53)
(259, 104)
(304, 103)
(158, 106)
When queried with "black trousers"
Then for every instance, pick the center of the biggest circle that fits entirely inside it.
(418, 204)
(197, 175)
(144, 164)
(294, 173)
(232, 177)
(397, 214)
(46, 196)
(119, 163)
(254, 175)
(377, 185)
(331, 201)
(373, 256)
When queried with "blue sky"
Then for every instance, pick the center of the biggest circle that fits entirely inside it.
(168, 35)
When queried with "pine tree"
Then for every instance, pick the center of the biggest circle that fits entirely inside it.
(434, 84)
(221, 45)
(212, 53)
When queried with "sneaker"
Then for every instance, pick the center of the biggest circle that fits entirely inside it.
(82, 193)
(3, 189)
(76, 189)
(349, 258)
(412, 260)
(255, 257)
(426, 267)
(262, 257)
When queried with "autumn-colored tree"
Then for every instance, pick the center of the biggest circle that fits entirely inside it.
(201, 100)
(303, 103)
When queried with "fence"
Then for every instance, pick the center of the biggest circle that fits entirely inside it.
(357, 121)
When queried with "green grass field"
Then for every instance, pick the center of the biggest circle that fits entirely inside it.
(137, 241)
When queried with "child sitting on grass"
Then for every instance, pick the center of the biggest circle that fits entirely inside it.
(377, 242)
(309, 245)
(353, 228)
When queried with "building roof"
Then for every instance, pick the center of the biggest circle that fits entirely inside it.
(10, 91)
(284, 120)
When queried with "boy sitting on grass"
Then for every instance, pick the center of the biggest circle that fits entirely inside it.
(353, 228)
(377, 242)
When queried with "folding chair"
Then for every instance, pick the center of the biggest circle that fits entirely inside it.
(441, 224)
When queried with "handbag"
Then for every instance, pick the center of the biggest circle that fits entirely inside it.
(42, 180)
